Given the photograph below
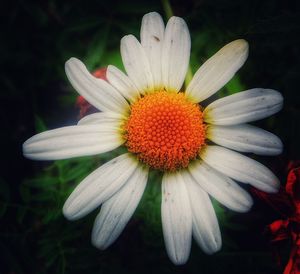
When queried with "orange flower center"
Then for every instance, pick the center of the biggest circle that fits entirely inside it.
(165, 130)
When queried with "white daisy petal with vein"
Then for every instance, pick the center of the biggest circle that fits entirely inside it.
(162, 125)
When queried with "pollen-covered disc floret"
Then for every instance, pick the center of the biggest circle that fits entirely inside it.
(165, 130)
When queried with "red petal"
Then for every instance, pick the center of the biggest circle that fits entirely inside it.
(293, 265)
(293, 187)
(279, 230)
(100, 73)
(83, 106)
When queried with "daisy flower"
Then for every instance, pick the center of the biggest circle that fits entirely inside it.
(164, 127)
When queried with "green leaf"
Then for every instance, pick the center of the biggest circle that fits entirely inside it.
(234, 85)
(39, 124)
(113, 57)
(42, 182)
(25, 193)
(97, 48)
(77, 171)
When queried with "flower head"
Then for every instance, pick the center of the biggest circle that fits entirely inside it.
(163, 127)
(165, 130)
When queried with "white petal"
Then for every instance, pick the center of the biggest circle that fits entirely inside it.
(122, 83)
(117, 210)
(72, 141)
(152, 35)
(96, 91)
(136, 63)
(222, 188)
(241, 168)
(175, 53)
(110, 118)
(99, 186)
(206, 229)
(243, 107)
(176, 218)
(245, 138)
(218, 70)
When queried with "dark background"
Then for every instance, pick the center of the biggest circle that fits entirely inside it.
(37, 37)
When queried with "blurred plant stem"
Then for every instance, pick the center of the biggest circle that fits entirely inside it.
(167, 8)
(169, 13)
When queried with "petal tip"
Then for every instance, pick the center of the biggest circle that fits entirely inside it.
(127, 37)
(151, 14)
(29, 150)
(241, 49)
(179, 22)
(272, 186)
(71, 61)
(241, 45)
(279, 147)
(247, 206)
(25, 148)
(275, 93)
(98, 244)
(274, 189)
(279, 98)
(178, 261)
(68, 212)
(214, 248)
(247, 203)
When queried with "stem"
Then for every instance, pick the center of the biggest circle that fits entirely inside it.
(167, 8)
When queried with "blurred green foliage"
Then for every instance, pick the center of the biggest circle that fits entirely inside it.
(38, 37)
